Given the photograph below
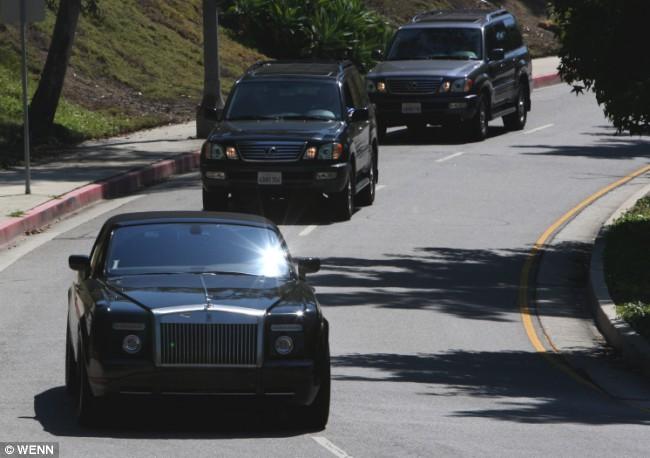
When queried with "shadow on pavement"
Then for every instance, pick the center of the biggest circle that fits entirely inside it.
(609, 146)
(521, 383)
(433, 136)
(182, 418)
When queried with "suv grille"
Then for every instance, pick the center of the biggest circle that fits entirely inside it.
(414, 86)
(208, 344)
(271, 151)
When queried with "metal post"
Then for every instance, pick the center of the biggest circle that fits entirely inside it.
(23, 38)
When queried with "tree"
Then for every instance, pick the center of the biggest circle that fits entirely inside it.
(46, 98)
(603, 49)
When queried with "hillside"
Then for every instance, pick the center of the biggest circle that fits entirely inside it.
(531, 14)
(138, 65)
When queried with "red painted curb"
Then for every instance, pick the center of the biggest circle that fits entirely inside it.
(124, 183)
(546, 80)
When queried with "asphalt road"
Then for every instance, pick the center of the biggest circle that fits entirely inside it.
(430, 357)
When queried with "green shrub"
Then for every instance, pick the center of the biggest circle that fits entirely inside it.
(328, 29)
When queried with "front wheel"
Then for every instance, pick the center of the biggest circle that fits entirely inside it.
(215, 200)
(317, 413)
(71, 377)
(88, 405)
(343, 202)
(478, 125)
(367, 196)
(517, 120)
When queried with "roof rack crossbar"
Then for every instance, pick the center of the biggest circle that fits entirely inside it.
(497, 13)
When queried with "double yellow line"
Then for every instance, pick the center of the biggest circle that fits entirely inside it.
(525, 285)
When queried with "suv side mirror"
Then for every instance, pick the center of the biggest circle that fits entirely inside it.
(497, 54)
(377, 54)
(307, 266)
(359, 115)
(80, 263)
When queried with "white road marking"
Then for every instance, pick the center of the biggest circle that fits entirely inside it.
(451, 156)
(10, 255)
(308, 230)
(380, 187)
(537, 129)
(333, 449)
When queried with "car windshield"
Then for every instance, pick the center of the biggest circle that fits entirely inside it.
(436, 43)
(299, 100)
(196, 248)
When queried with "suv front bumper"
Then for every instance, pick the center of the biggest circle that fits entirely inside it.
(243, 176)
(435, 109)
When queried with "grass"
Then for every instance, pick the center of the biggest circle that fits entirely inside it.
(16, 214)
(627, 266)
(140, 64)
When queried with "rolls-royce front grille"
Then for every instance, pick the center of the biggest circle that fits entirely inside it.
(414, 86)
(208, 344)
(271, 151)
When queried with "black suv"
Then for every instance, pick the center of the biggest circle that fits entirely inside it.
(454, 68)
(294, 127)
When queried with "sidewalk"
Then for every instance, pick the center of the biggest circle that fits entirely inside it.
(101, 169)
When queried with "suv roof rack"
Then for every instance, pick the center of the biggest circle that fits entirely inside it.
(459, 15)
(317, 67)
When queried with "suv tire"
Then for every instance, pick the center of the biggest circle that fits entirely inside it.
(367, 196)
(215, 200)
(478, 125)
(517, 120)
(381, 131)
(343, 202)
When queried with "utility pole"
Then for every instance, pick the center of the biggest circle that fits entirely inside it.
(212, 101)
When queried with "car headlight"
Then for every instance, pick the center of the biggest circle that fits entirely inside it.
(213, 151)
(131, 344)
(462, 85)
(283, 345)
(330, 152)
(381, 86)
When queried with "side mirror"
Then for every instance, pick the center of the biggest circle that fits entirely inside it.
(307, 266)
(377, 54)
(79, 263)
(359, 115)
(497, 54)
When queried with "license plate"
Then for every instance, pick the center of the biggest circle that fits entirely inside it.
(269, 178)
(411, 108)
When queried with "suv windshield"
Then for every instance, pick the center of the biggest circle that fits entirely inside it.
(308, 100)
(436, 43)
(196, 248)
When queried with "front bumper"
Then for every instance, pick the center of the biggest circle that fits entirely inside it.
(435, 109)
(293, 380)
(241, 175)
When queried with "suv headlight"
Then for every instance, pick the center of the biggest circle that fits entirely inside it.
(375, 86)
(328, 152)
(458, 86)
(213, 151)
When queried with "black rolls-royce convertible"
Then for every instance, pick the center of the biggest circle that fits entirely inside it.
(197, 303)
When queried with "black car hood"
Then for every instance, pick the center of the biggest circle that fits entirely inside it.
(276, 130)
(160, 291)
(405, 68)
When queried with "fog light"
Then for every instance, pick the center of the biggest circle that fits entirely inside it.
(131, 344)
(325, 175)
(284, 345)
(216, 175)
(458, 105)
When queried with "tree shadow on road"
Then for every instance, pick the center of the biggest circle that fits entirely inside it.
(609, 146)
(181, 418)
(519, 382)
(433, 136)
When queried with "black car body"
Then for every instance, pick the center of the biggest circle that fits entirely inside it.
(455, 68)
(181, 303)
(294, 127)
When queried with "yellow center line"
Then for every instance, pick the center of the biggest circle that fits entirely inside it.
(531, 260)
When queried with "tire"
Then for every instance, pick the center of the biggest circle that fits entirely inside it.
(343, 202)
(381, 131)
(215, 200)
(88, 406)
(517, 120)
(317, 413)
(367, 196)
(71, 376)
(478, 126)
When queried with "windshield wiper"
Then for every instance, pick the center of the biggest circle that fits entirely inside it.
(253, 118)
(226, 272)
(307, 118)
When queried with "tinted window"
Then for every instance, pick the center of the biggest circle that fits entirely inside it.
(495, 37)
(514, 39)
(436, 43)
(360, 88)
(285, 100)
(196, 248)
(350, 94)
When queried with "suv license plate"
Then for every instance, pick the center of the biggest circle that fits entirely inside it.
(269, 178)
(411, 108)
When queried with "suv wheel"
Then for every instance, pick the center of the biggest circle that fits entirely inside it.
(381, 131)
(517, 120)
(215, 200)
(343, 202)
(367, 196)
(478, 126)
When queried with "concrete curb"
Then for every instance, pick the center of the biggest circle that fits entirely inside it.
(619, 334)
(124, 183)
(546, 80)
